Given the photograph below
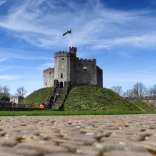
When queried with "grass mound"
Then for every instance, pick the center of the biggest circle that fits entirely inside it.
(145, 107)
(37, 97)
(93, 98)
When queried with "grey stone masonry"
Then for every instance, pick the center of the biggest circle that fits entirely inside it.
(69, 68)
(48, 77)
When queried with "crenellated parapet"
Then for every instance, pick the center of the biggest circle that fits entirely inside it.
(62, 54)
(48, 70)
(72, 52)
(87, 60)
(73, 49)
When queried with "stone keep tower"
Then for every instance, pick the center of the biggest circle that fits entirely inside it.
(68, 68)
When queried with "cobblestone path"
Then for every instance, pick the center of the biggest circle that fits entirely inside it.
(102, 135)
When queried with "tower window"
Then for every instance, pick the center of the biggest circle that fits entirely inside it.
(49, 72)
(62, 58)
(61, 75)
(84, 67)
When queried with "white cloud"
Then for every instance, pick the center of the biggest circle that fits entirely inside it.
(42, 23)
(2, 60)
(9, 53)
(2, 2)
(10, 77)
(143, 41)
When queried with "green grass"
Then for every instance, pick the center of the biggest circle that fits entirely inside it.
(145, 107)
(84, 100)
(63, 113)
(37, 97)
(93, 98)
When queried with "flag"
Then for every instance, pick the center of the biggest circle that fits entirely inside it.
(67, 32)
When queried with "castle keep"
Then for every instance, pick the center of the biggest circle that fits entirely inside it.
(70, 70)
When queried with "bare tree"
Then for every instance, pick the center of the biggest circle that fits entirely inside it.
(139, 89)
(129, 93)
(21, 91)
(152, 91)
(117, 89)
(6, 90)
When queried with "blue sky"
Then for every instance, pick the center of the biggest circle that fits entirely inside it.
(120, 34)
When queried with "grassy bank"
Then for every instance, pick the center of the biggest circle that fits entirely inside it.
(62, 113)
(93, 98)
(145, 107)
(84, 100)
(37, 97)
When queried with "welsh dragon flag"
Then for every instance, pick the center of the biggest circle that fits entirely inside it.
(67, 32)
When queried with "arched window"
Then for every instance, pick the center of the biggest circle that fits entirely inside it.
(61, 75)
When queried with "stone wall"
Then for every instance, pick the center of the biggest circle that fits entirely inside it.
(16, 99)
(73, 73)
(86, 72)
(62, 67)
(48, 75)
(99, 77)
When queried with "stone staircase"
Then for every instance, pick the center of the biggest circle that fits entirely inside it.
(55, 102)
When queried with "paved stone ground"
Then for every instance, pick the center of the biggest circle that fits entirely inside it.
(103, 135)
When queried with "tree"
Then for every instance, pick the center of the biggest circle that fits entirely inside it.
(139, 89)
(21, 91)
(152, 91)
(117, 89)
(5, 98)
(129, 93)
(4, 93)
(1, 93)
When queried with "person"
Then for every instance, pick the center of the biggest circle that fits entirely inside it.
(55, 98)
(42, 106)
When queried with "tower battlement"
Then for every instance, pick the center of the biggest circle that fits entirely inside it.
(87, 60)
(73, 50)
(62, 54)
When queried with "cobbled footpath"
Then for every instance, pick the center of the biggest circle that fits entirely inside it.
(101, 135)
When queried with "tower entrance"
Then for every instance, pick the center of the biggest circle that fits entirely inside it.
(61, 84)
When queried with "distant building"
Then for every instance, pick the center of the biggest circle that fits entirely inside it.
(69, 69)
(16, 99)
